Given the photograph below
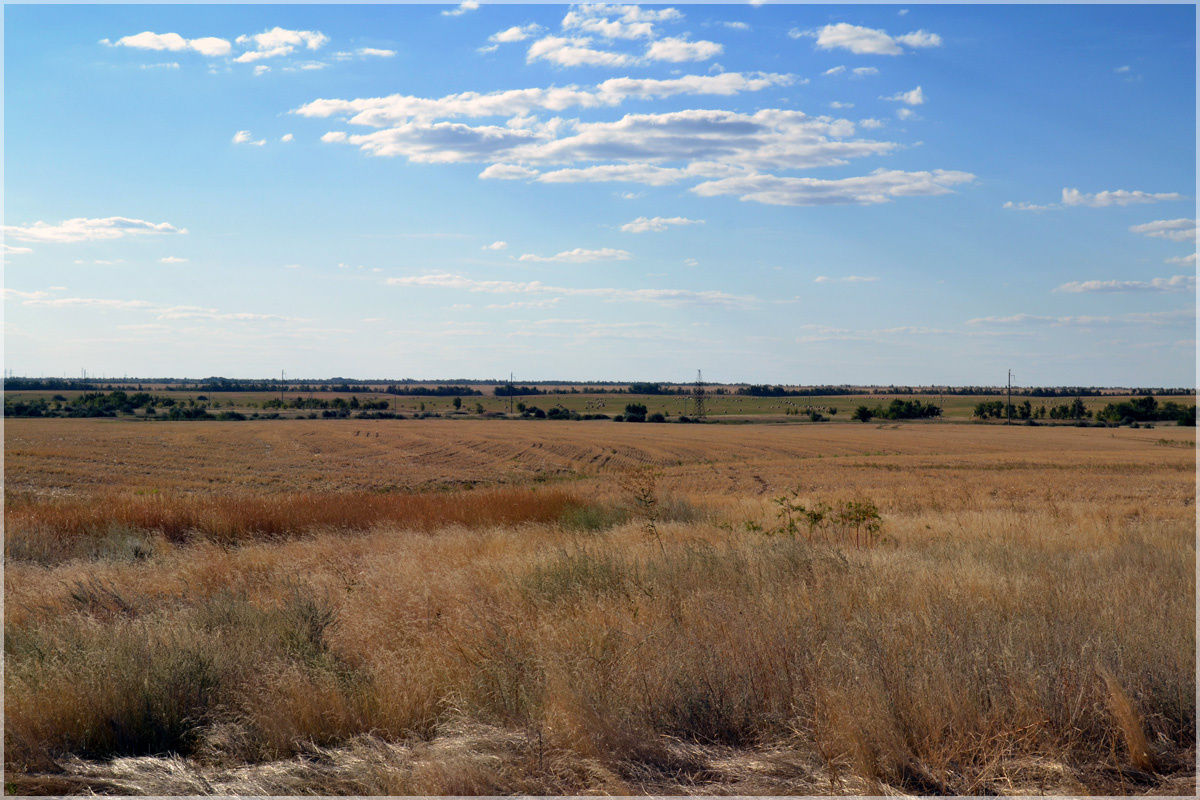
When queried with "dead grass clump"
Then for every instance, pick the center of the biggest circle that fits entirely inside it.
(123, 525)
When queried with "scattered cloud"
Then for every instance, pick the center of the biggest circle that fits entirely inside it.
(880, 186)
(279, 42)
(287, 137)
(1120, 197)
(547, 303)
(261, 69)
(164, 65)
(847, 279)
(463, 7)
(1177, 230)
(665, 297)
(243, 137)
(375, 52)
(839, 104)
(495, 246)
(86, 230)
(677, 49)
(172, 260)
(206, 45)
(838, 70)
(517, 33)
(657, 224)
(1183, 261)
(11, 250)
(913, 98)
(14, 294)
(1178, 283)
(905, 113)
(574, 52)
(1028, 206)
(1122, 69)
(87, 302)
(862, 72)
(580, 255)
(508, 172)
(870, 123)
(1182, 315)
(868, 41)
(735, 26)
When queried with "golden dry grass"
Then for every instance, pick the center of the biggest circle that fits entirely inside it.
(1026, 625)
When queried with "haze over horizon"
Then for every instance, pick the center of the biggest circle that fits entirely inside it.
(783, 194)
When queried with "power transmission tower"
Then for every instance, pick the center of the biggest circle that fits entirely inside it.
(1009, 404)
(699, 395)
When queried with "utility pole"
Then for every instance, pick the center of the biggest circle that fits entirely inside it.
(698, 397)
(1009, 404)
(282, 384)
(510, 393)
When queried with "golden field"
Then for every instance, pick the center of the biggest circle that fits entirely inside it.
(487, 607)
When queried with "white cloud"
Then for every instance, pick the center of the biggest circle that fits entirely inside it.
(10, 250)
(862, 72)
(507, 172)
(838, 70)
(1119, 197)
(378, 112)
(375, 52)
(261, 68)
(736, 26)
(914, 98)
(243, 137)
(464, 7)
(1122, 69)
(495, 246)
(548, 303)
(905, 113)
(206, 45)
(1182, 315)
(574, 52)
(279, 42)
(847, 279)
(517, 33)
(287, 137)
(1021, 206)
(164, 65)
(1183, 261)
(87, 230)
(490, 48)
(172, 260)
(870, 123)
(87, 302)
(14, 294)
(1178, 283)
(333, 136)
(1177, 230)
(657, 224)
(868, 41)
(880, 186)
(665, 297)
(676, 49)
(839, 104)
(580, 256)
(902, 12)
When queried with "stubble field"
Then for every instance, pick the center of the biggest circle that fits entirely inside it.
(474, 607)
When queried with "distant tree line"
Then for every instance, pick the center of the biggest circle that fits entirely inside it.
(436, 391)
(898, 409)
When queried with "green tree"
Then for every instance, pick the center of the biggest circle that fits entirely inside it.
(863, 414)
(457, 403)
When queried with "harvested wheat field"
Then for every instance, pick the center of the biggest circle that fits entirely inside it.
(478, 607)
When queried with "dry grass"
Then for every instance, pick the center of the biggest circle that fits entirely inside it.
(1025, 624)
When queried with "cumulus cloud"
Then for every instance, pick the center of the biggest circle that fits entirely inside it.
(1177, 230)
(1119, 197)
(244, 137)
(172, 260)
(657, 224)
(880, 186)
(495, 246)
(870, 123)
(508, 172)
(580, 256)
(517, 33)
(1183, 261)
(868, 41)
(574, 51)
(862, 72)
(665, 297)
(677, 49)
(1027, 206)
(11, 250)
(287, 137)
(905, 113)
(206, 45)
(913, 98)
(279, 42)
(1178, 283)
(87, 230)
(463, 7)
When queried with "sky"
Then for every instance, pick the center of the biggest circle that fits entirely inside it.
(769, 193)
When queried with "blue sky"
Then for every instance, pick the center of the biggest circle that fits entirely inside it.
(769, 193)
